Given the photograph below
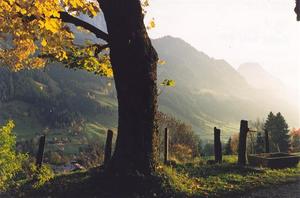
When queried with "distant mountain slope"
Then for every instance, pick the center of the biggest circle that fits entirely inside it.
(55, 98)
(212, 91)
(259, 78)
(195, 70)
(208, 93)
(271, 87)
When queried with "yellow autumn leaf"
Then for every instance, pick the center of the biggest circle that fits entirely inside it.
(161, 62)
(41, 24)
(55, 14)
(44, 42)
(52, 25)
(152, 23)
(23, 11)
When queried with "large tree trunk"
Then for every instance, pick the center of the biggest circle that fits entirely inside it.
(134, 62)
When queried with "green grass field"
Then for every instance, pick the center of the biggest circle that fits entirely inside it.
(195, 179)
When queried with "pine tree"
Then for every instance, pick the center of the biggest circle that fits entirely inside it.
(228, 149)
(278, 129)
(280, 135)
(269, 126)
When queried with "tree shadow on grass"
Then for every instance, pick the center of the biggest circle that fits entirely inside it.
(94, 183)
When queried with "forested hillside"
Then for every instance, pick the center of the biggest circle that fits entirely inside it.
(57, 99)
(208, 93)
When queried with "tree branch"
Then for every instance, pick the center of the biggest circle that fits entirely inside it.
(99, 48)
(66, 17)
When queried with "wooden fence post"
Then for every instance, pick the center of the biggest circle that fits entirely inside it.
(267, 144)
(243, 142)
(166, 151)
(40, 153)
(217, 145)
(108, 147)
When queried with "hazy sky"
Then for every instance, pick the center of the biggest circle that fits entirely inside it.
(239, 31)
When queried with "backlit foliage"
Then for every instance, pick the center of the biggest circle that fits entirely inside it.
(295, 140)
(33, 32)
(235, 143)
(184, 144)
(10, 161)
(151, 24)
(169, 83)
(42, 176)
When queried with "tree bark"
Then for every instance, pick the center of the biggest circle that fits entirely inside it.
(134, 62)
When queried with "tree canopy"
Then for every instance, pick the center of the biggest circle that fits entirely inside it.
(278, 129)
(35, 32)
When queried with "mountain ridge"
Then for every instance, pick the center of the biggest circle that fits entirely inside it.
(196, 73)
(208, 93)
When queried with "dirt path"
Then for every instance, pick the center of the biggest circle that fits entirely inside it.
(289, 190)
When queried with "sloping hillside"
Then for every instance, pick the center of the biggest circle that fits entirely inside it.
(208, 93)
(58, 101)
(211, 92)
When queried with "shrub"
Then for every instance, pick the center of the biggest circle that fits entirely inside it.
(234, 143)
(184, 143)
(181, 152)
(14, 166)
(41, 176)
(295, 140)
(10, 160)
(92, 155)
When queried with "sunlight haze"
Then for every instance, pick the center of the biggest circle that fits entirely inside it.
(239, 31)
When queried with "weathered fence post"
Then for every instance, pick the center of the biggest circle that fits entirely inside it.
(267, 144)
(40, 153)
(217, 145)
(166, 151)
(243, 142)
(108, 147)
